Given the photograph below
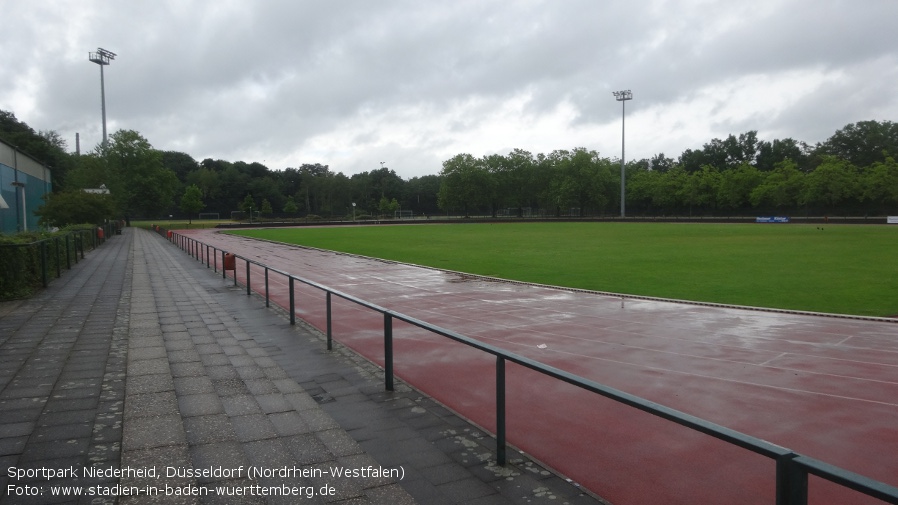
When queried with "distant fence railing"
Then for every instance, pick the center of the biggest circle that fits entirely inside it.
(28, 266)
(792, 469)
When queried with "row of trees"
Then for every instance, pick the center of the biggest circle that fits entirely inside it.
(853, 172)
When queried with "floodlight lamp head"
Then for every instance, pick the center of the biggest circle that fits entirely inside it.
(623, 95)
(101, 57)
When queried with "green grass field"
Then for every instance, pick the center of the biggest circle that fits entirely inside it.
(840, 269)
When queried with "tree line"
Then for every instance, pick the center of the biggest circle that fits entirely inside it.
(851, 173)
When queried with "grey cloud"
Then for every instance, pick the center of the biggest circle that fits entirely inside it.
(231, 78)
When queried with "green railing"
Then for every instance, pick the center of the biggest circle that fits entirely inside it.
(26, 267)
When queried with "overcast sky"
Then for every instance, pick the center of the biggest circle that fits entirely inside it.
(412, 83)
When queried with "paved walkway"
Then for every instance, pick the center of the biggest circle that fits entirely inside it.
(141, 377)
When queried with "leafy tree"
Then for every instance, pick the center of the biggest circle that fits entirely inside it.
(879, 186)
(47, 147)
(466, 183)
(205, 179)
(64, 208)
(137, 180)
(290, 207)
(692, 160)
(701, 188)
(580, 180)
(771, 153)
(661, 163)
(742, 149)
(640, 188)
(192, 201)
(232, 186)
(387, 207)
(180, 163)
(736, 186)
(266, 188)
(830, 185)
(675, 188)
(862, 144)
(421, 194)
(248, 204)
(779, 189)
(266, 209)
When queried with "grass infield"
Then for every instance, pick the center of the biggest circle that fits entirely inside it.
(837, 268)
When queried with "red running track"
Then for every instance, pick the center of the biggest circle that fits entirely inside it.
(822, 386)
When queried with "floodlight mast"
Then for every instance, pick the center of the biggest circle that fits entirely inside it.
(102, 57)
(622, 97)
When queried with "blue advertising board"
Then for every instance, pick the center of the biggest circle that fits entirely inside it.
(772, 219)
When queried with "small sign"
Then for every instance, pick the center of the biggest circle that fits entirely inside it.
(772, 219)
(892, 220)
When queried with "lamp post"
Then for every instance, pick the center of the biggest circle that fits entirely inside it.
(353, 211)
(622, 97)
(102, 57)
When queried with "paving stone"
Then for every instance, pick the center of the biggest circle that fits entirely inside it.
(200, 404)
(148, 432)
(163, 403)
(253, 427)
(208, 429)
(239, 405)
(193, 385)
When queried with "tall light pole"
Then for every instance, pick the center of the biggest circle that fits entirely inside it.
(102, 57)
(622, 97)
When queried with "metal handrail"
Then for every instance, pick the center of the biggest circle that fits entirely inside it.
(61, 245)
(792, 469)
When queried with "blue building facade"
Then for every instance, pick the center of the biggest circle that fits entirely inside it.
(23, 183)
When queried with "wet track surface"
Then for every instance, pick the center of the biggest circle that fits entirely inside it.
(822, 386)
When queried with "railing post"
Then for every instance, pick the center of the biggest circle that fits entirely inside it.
(266, 287)
(207, 255)
(330, 337)
(292, 303)
(388, 351)
(68, 257)
(43, 246)
(248, 292)
(500, 411)
(224, 273)
(791, 481)
(56, 254)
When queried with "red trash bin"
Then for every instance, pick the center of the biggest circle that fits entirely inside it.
(230, 261)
